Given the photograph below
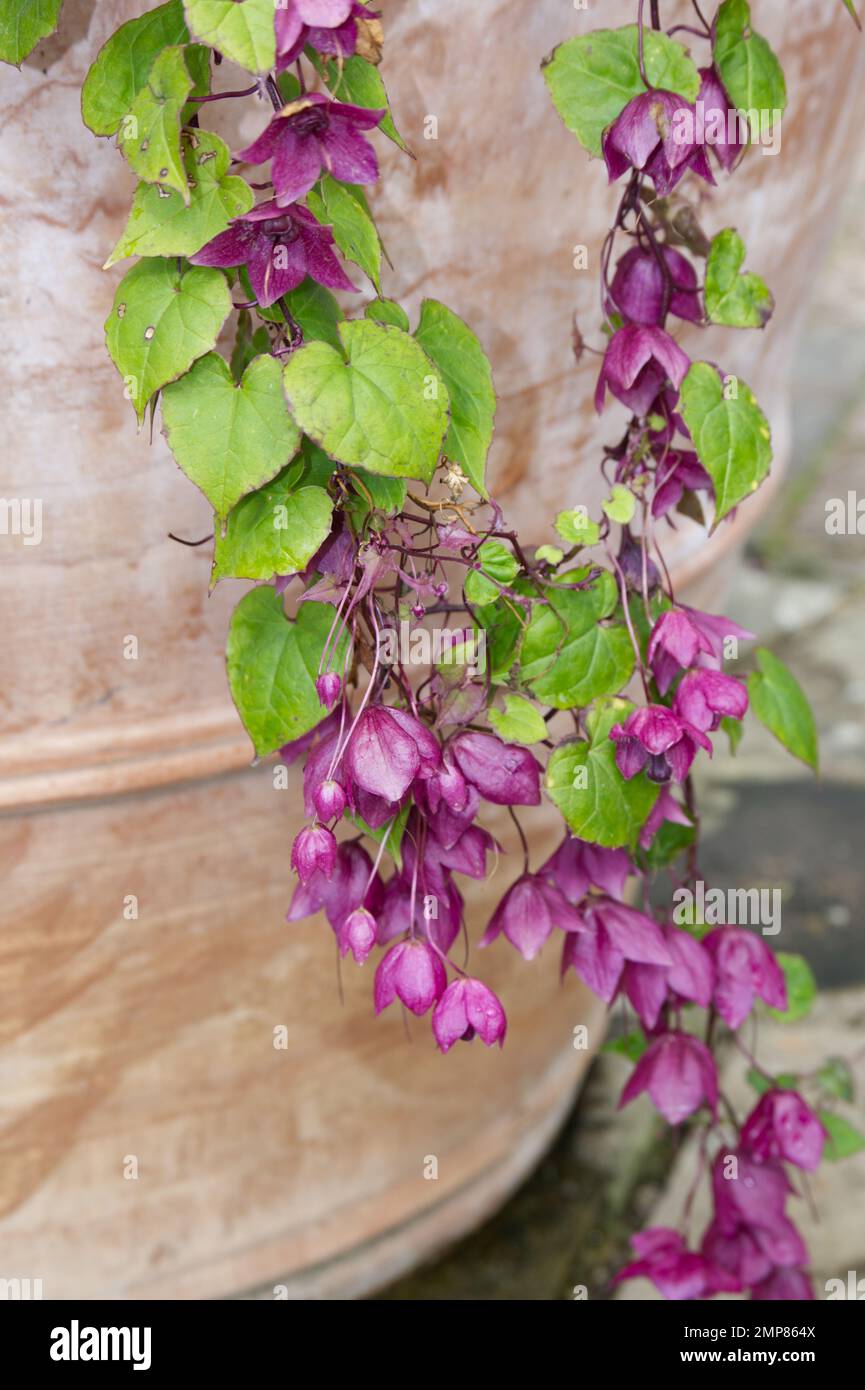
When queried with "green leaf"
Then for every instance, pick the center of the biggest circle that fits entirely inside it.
(731, 436)
(276, 530)
(631, 1045)
(735, 299)
(229, 439)
(836, 1079)
(160, 223)
(551, 553)
(734, 729)
(567, 657)
(780, 703)
(749, 70)
(669, 842)
(149, 134)
(518, 722)
(463, 363)
(801, 988)
(593, 77)
(248, 343)
(22, 24)
(360, 83)
(851, 10)
(498, 568)
(383, 406)
(161, 321)
(503, 626)
(123, 64)
(620, 505)
(787, 1081)
(575, 528)
(844, 1138)
(387, 494)
(333, 205)
(595, 800)
(317, 312)
(273, 664)
(387, 311)
(243, 33)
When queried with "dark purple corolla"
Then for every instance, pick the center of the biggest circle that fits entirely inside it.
(412, 972)
(745, 968)
(706, 697)
(527, 914)
(679, 1073)
(656, 133)
(612, 934)
(328, 688)
(691, 977)
(279, 247)
(751, 1197)
(577, 865)
(674, 645)
(358, 934)
(657, 740)
(676, 1272)
(504, 773)
(387, 749)
(329, 26)
(313, 851)
(678, 471)
(637, 363)
(638, 286)
(781, 1125)
(352, 884)
(312, 136)
(468, 1009)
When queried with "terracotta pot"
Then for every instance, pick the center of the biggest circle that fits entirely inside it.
(124, 782)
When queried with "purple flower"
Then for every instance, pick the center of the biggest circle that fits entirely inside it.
(673, 646)
(358, 934)
(576, 865)
(691, 976)
(718, 119)
(706, 697)
(340, 894)
(638, 286)
(314, 134)
(328, 25)
(785, 1286)
(468, 1008)
(387, 749)
(679, 1073)
(411, 972)
(279, 247)
(781, 1125)
(676, 1272)
(717, 630)
(314, 851)
(612, 934)
(503, 773)
(395, 916)
(654, 738)
(739, 1253)
(745, 968)
(637, 363)
(527, 914)
(679, 470)
(656, 133)
(752, 1196)
(665, 808)
(328, 688)
(330, 800)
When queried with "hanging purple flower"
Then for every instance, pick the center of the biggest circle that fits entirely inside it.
(637, 290)
(656, 133)
(739, 1253)
(527, 914)
(752, 1196)
(657, 740)
(329, 800)
(314, 135)
(676, 1272)
(678, 470)
(411, 972)
(781, 1125)
(674, 645)
(576, 865)
(611, 935)
(718, 119)
(357, 934)
(691, 976)
(679, 1073)
(388, 748)
(717, 630)
(279, 246)
(340, 894)
(637, 363)
(328, 688)
(504, 773)
(468, 1009)
(314, 851)
(705, 697)
(745, 968)
(329, 26)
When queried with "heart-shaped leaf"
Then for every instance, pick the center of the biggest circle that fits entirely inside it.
(751, 74)
(730, 433)
(463, 363)
(229, 439)
(620, 505)
(387, 311)
(161, 322)
(123, 63)
(845, 1139)
(243, 33)
(780, 703)
(22, 24)
(383, 406)
(497, 568)
(149, 133)
(272, 666)
(567, 657)
(735, 299)
(335, 206)
(595, 800)
(161, 224)
(519, 722)
(593, 77)
(276, 530)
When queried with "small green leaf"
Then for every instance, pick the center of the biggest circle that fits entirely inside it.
(735, 299)
(360, 83)
(386, 494)
(230, 439)
(463, 363)
(123, 64)
(502, 625)
(550, 553)
(575, 528)
(383, 406)
(595, 800)
(243, 33)
(851, 10)
(568, 657)
(334, 205)
(730, 432)
(161, 322)
(749, 70)
(836, 1079)
(593, 77)
(387, 311)
(518, 722)
(844, 1141)
(498, 568)
(276, 530)
(161, 224)
(669, 842)
(780, 703)
(22, 24)
(620, 505)
(787, 1081)
(734, 729)
(273, 664)
(631, 1045)
(801, 988)
(149, 134)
